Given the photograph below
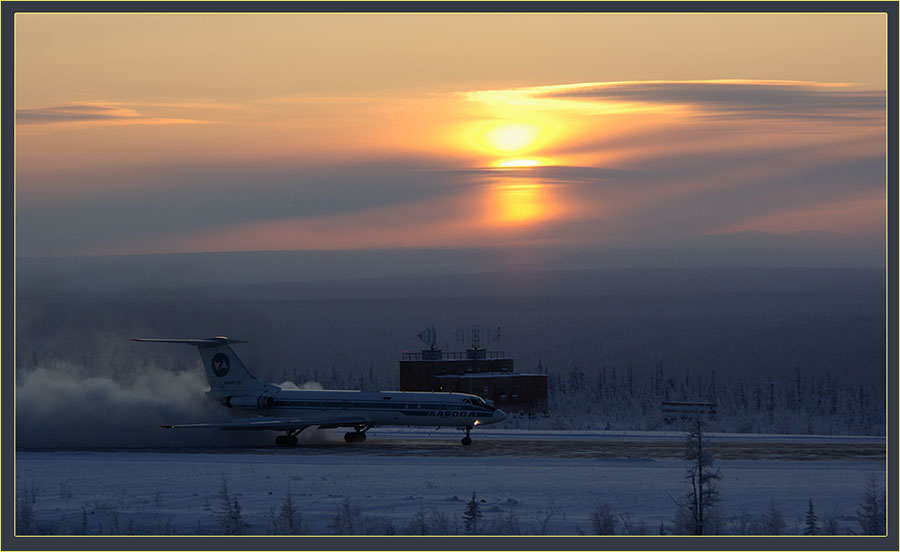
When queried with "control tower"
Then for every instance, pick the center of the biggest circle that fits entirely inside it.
(488, 374)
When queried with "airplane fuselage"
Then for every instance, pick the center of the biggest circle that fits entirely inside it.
(382, 408)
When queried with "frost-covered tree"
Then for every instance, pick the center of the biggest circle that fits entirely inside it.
(831, 526)
(418, 526)
(603, 520)
(703, 497)
(25, 511)
(472, 514)
(632, 527)
(438, 522)
(346, 518)
(229, 512)
(544, 517)
(286, 520)
(742, 523)
(505, 524)
(683, 523)
(114, 523)
(812, 525)
(871, 511)
(772, 521)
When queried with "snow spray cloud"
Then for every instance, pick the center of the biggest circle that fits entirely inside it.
(312, 435)
(64, 406)
(310, 385)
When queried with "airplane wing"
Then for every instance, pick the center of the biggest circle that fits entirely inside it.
(277, 424)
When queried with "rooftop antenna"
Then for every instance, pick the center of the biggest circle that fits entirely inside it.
(478, 336)
(428, 336)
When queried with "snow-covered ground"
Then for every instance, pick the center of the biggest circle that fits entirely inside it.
(402, 481)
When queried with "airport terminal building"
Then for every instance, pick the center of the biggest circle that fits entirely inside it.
(488, 374)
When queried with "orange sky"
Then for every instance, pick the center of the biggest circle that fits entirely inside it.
(171, 133)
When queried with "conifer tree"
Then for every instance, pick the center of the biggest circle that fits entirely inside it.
(229, 512)
(772, 521)
(812, 525)
(472, 514)
(418, 525)
(871, 510)
(704, 494)
(284, 522)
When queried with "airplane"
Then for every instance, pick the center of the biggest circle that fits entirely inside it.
(292, 411)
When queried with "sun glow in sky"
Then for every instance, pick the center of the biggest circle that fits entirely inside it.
(512, 137)
(221, 132)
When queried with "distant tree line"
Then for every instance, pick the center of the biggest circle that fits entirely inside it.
(610, 397)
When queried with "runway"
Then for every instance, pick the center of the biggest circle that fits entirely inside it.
(398, 442)
(603, 449)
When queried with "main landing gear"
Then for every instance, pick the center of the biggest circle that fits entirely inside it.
(466, 441)
(288, 440)
(357, 436)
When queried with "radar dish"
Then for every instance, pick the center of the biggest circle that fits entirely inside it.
(478, 336)
(428, 336)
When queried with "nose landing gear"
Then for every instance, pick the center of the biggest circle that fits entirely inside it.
(466, 441)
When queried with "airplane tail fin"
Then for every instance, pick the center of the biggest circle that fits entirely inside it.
(226, 373)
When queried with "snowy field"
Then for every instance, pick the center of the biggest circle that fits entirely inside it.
(408, 481)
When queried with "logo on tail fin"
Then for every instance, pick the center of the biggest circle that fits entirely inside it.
(220, 364)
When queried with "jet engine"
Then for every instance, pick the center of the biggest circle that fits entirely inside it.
(263, 402)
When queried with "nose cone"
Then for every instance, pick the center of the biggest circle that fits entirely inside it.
(499, 415)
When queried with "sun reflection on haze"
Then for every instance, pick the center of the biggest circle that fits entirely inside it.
(516, 201)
